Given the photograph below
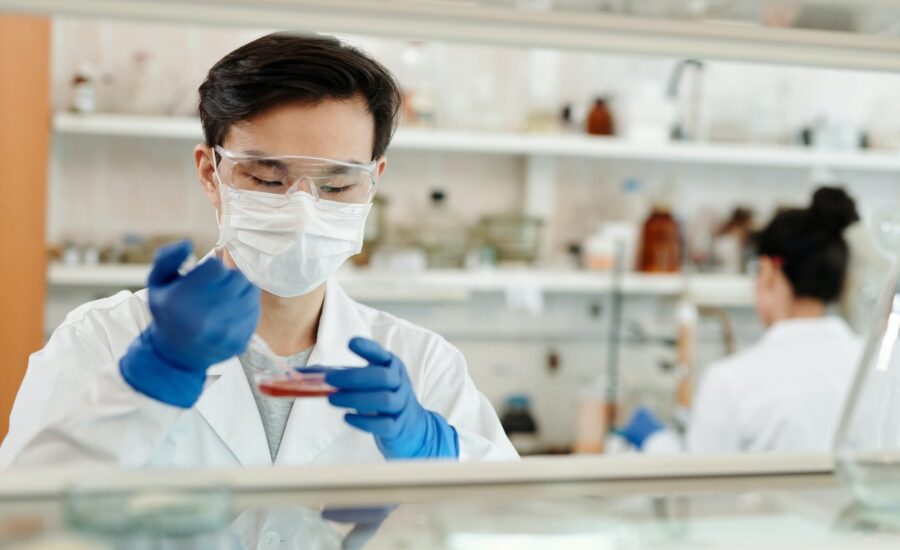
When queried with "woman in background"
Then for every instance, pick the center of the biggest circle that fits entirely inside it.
(785, 393)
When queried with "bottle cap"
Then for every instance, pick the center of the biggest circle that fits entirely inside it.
(518, 401)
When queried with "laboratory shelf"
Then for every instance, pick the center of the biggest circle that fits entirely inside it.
(541, 145)
(459, 285)
(128, 125)
(581, 146)
(500, 23)
(98, 276)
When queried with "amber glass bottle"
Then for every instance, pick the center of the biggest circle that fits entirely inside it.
(600, 120)
(660, 243)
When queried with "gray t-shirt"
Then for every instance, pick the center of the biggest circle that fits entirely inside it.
(274, 411)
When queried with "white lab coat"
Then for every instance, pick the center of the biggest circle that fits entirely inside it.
(784, 394)
(74, 407)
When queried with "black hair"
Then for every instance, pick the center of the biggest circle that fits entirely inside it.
(282, 67)
(810, 244)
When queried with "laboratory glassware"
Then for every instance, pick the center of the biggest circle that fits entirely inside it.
(150, 518)
(867, 442)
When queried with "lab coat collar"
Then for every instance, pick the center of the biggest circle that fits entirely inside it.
(228, 406)
(791, 331)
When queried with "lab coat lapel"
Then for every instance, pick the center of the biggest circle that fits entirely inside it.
(228, 406)
(314, 423)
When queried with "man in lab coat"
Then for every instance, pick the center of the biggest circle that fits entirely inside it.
(296, 130)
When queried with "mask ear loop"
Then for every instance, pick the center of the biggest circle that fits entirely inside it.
(215, 165)
(219, 249)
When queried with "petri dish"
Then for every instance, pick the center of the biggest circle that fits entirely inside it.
(308, 383)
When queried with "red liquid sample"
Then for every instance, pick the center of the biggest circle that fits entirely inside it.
(290, 388)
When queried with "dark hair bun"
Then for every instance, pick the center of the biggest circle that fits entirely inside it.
(833, 209)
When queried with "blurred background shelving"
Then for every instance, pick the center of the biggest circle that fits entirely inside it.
(561, 145)
(441, 285)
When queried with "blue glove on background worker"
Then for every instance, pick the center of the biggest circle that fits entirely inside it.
(199, 319)
(642, 425)
(386, 406)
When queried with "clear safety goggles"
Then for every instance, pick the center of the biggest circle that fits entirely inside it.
(324, 179)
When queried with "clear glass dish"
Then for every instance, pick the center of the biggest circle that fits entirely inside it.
(152, 517)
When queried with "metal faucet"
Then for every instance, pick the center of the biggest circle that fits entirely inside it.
(687, 123)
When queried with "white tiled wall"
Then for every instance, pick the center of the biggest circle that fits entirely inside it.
(104, 187)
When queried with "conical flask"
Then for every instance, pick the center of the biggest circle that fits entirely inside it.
(868, 438)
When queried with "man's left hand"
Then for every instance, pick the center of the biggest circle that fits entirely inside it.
(386, 406)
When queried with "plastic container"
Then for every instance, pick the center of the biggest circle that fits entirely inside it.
(601, 247)
(591, 421)
(519, 425)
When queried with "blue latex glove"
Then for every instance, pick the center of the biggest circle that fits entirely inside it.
(386, 406)
(642, 425)
(199, 319)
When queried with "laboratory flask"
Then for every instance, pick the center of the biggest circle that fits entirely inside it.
(867, 442)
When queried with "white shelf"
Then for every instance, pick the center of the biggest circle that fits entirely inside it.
(579, 146)
(502, 24)
(113, 124)
(98, 276)
(458, 285)
(582, 146)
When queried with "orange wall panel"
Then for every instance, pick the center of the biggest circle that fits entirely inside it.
(24, 157)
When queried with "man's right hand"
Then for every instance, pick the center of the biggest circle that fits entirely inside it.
(199, 319)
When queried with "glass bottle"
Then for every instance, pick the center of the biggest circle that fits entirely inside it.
(84, 92)
(417, 79)
(600, 119)
(660, 250)
(442, 234)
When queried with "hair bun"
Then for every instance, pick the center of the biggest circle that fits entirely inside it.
(833, 209)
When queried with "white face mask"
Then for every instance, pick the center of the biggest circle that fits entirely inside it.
(288, 245)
